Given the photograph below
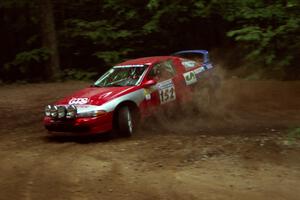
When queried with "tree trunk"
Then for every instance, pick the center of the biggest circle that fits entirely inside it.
(49, 40)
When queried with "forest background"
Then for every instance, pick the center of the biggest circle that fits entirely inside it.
(48, 40)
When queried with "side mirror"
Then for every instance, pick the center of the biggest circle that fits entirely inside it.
(149, 83)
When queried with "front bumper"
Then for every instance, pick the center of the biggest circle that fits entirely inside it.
(88, 125)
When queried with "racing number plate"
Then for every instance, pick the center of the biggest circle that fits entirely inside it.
(166, 91)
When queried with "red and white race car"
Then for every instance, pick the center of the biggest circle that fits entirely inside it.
(128, 93)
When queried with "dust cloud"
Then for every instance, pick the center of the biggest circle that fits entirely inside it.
(237, 106)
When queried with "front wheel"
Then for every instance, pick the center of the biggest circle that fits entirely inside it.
(125, 121)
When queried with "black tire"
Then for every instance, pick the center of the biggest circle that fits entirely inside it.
(125, 121)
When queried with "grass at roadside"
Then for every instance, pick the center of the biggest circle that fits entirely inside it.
(293, 135)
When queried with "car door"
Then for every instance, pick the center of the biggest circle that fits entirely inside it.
(165, 91)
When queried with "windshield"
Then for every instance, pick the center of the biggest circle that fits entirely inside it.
(128, 75)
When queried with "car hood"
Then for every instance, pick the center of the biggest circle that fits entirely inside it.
(95, 95)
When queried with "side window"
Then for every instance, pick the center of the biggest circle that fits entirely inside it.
(191, 60)
(188, 64)
(162, 71)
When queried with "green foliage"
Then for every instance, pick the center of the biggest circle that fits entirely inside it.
(94, 33)
(293, 135)
(247, 33)
(24, 60)
(266, 30)
(76, 74)
(35, 55)
(112, 57)
(15, 3)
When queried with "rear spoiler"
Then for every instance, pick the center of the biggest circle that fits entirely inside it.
(204, 53)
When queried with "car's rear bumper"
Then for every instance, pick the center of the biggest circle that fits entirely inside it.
(84, 126)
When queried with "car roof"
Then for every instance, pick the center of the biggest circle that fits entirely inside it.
(145, 60)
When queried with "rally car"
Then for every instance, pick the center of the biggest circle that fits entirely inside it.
(128, 93)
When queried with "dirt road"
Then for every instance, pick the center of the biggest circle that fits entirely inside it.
(237, 150)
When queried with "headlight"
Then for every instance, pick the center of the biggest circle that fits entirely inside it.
(94, 113)
(71, 112)
(48, 111)
(53, 112)
(61, 112)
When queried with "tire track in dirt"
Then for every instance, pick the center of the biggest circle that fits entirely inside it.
(237, 153)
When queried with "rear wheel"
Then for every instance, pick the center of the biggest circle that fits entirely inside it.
(125, 121)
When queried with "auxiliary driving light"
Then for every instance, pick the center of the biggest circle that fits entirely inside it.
(71, 111)
(61, 112)
(48, 111)
(53, 112)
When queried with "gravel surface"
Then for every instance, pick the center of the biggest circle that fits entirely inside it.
(239, 149)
